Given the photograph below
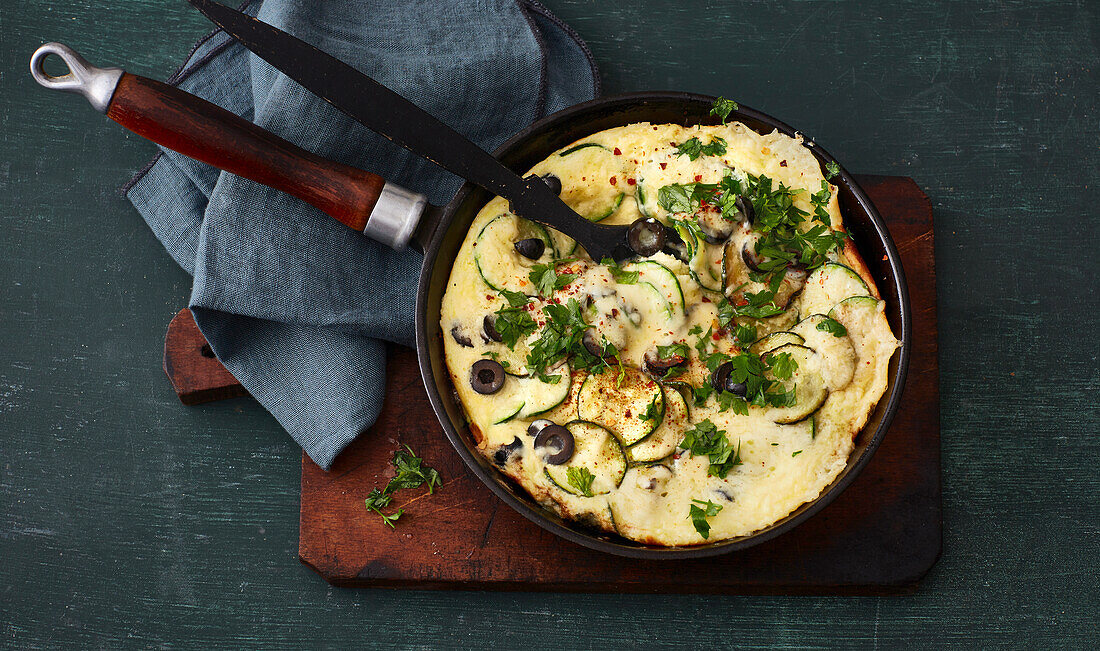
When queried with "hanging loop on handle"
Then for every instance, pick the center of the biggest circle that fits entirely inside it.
(97, 85)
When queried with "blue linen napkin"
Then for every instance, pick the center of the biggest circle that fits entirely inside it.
(296, 305)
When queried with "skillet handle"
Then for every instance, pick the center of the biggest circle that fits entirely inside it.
(204, 131)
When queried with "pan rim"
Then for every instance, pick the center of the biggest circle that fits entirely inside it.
(543, 517)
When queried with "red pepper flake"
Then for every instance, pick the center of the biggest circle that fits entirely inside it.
(612, 180)
(663, 165)
(617, 152)
(614, 311)
(706, 299)
(782, 163)
(698, 178)
(628, 414)
(489, 297)
(630, 181)
(716, 336)
(884, 258)
(741, 300)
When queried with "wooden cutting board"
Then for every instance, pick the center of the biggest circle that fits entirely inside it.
(880, 536)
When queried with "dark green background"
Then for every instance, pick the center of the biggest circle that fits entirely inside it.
(128, 519)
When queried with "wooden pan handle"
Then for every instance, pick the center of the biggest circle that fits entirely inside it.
(196, 128)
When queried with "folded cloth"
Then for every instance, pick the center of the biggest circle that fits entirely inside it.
(296, 305)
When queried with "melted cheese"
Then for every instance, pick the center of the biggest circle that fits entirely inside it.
(783, 466)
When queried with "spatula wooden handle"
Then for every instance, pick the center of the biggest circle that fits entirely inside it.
(204, 131)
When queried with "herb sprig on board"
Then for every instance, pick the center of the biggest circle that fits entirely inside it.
(411, 473)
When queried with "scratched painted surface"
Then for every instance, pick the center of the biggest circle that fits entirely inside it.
(128, 519)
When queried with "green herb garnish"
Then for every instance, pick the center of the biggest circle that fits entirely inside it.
(622, 277)
(513, 324)
(699, 513)
(832, 326)
(580, 478)
(831, 169)
(547, 280)
(706, 439)
(693, 148)
(411, 473)
(652, 413)
(723, 107)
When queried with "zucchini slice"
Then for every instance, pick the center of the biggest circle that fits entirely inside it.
(837, 355)
(640, 199)
(596, 449)
(809, 387)
(706, 265)
(495, 255)
(583, 145)
(621, 408)
(615, 203)
(828, 285)
(527, 397)
(775, 340)
(663, 441)
(663, 279)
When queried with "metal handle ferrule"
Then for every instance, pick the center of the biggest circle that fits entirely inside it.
(97, 85)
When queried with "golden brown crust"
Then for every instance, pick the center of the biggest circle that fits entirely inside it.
(855, 261)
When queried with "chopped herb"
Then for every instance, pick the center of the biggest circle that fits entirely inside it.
(695, 329)
(652, 412)
(723, 107)
(693, 148)
(673, 350)
(622, 277)
(783, 365)
(745, 334)
(831, 169)
(831, 325)
(513, 324)
(495, 356)
(561, 338)
(706, 439)
(548, 281)
(728, 400)
(699, 513)
(411, 473)
(580, 478)
(515, 299)
(796, 453)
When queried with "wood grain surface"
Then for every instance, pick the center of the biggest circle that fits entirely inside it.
(130, 520)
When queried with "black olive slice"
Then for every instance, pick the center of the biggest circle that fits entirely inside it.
(748, 253)
(716, 228)
(486, 376)
(559, 443)
(657, 365)
(531, 248)
(744, 206)
(722, 381)
(460, 337)
(489, 327)
(594, 343)
(646, 236)
(537, 426)
(506, 452)
(552, 182)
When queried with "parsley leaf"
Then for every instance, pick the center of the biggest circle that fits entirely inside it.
(693, 148)
(652, 412)
(745, 334)
(622, 277)
(513, 324)
(547, 280)
(411, 473)
(672, 351)
(515, 299)
(706, 439)
(831, 169)
(831, 325)
(699, 512)
(580, 478)
(783, 365)
(796, 453)
(723, 107)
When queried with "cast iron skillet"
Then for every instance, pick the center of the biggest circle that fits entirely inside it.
(534, 144)
(196, 128)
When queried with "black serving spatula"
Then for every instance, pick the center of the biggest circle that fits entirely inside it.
(396, 118)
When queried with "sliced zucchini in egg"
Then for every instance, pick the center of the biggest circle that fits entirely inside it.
(527, 397)
(594, 448)
(837, 355)
(583, 145)
(852, 304)
(663, 279)
(808, 384)
(706, 264)
(663, 440)
(828, 285)
(640, 199)
(615, 203)
(775, 340)
(621, 406)
(495, 255)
